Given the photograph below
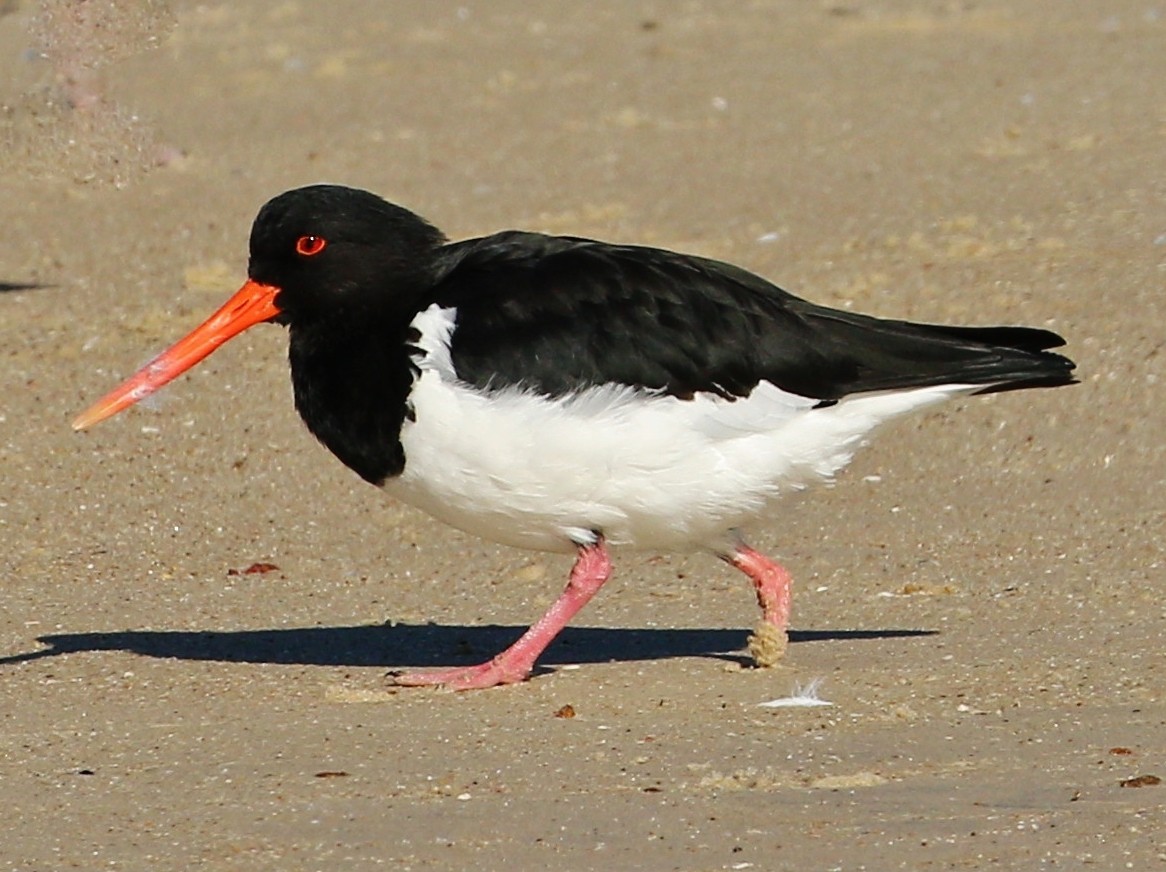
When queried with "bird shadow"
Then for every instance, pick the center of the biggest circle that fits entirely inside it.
(406, 645)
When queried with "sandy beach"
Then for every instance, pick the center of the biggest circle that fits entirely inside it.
(979, 597)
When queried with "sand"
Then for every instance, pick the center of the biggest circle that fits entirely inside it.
(980, 595)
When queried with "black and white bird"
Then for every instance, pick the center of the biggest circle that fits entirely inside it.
(564, 394)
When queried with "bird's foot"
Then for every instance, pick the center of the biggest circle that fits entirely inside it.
(591, 570)
(767, 644)
(489, 674)
(769, 639)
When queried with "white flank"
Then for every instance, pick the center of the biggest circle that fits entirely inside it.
(646, 469)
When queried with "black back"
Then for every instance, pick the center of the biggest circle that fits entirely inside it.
(557, 314)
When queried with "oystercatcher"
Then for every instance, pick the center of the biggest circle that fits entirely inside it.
(564, 394)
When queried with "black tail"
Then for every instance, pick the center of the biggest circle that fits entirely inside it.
(1025, 361)
(888, 354)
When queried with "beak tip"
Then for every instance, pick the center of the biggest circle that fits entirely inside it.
(93, 415)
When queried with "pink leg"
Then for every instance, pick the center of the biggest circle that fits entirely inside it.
(592, 568)
(772, 583)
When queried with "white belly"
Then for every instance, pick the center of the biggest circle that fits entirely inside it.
(645, 470)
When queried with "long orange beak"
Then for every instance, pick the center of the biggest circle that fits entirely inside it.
(253, 303)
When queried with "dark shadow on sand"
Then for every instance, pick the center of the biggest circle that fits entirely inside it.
(420, 645)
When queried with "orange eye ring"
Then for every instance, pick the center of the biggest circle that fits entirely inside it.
(310, 245)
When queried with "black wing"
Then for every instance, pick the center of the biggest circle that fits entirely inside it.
(557, 314)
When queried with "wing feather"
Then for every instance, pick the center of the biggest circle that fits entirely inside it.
(559, 314)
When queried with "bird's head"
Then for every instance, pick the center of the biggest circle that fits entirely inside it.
(316, 252)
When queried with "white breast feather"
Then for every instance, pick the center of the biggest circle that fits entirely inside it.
(645, 469)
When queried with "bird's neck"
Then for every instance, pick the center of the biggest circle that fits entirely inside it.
(351, 385)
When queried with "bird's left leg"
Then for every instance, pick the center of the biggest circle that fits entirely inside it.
(771, 581)
(592, 568)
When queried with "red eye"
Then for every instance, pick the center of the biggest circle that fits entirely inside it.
(309, 245)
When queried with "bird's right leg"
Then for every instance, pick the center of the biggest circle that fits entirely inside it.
(771, 581)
